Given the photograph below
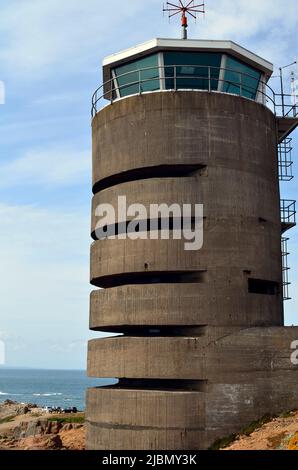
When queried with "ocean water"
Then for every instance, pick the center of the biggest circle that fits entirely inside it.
(65, 388)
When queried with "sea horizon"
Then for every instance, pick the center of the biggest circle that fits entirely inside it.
(47, 387)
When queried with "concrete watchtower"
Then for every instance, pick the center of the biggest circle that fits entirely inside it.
(203, 350)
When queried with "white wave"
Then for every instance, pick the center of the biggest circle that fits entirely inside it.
(47, 394)
(2, 393)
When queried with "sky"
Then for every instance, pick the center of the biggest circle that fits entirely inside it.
(50, 63)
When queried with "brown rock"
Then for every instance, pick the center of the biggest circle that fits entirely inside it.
(10, 402)
(78, 426)
(54, 442)
(67, 427)
(51, 442)
(54, 427)
(23, 410)
(75, 439)
(17, 432)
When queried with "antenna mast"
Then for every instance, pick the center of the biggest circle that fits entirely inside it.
(294, 91)
(185, 8)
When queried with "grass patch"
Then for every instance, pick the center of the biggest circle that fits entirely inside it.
(247, 431)
(287, 414)
(79, 419)
(223, 443)
(8, 419)
(252, 427)
(36, 415)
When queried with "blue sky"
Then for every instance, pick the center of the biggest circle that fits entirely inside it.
(50, 62)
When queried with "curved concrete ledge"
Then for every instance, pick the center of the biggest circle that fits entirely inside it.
(144, 419)
(113, 438)
(145, 357)
(256, 197)
(183, 128)
(219, 355)
(122, 308)
(146, 408)
(112, 257)
(227, 245)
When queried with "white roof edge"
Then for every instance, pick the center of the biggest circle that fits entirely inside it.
(159, 43)
(135, 50)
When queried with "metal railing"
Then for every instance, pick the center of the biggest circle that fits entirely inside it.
(191, 77)
(284, 105)
(285, 268)
(288, 212)
(285, 162)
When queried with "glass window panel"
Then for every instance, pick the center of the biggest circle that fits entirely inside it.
(128, 76)
(192, 70)
(241, 79)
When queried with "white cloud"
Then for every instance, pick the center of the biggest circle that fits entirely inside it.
(39, 35)
(269, 27)
(56, 166)
(44, 33)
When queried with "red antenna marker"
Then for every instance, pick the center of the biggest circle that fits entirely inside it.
(185, 8)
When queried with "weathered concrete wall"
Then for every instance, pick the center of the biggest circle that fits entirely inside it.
(150, 419)
(219, 252)
(124, 307)
(184, 128)
(254, 197)
(218, 355)
(247, 373)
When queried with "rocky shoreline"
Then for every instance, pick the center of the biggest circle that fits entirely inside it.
(28, 427)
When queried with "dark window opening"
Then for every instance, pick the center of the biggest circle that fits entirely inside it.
(167, 331)
(139, 226)
(258, 286)
(168, 277)
(163, 384)
(160, 171)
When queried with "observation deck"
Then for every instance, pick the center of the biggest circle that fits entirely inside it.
(162, 65)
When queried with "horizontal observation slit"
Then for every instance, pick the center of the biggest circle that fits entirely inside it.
(164, 331)
(161, 171)
(153, 277)
(159, 384)
(148, 225)
(260, 286)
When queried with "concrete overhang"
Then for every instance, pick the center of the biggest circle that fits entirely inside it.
(285, 126)
(198, 45)
(285, 226)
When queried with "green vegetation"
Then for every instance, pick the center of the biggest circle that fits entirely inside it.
(288, 414)
(223, 443)
(65, 419)
(8, 419)
(247, 431)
